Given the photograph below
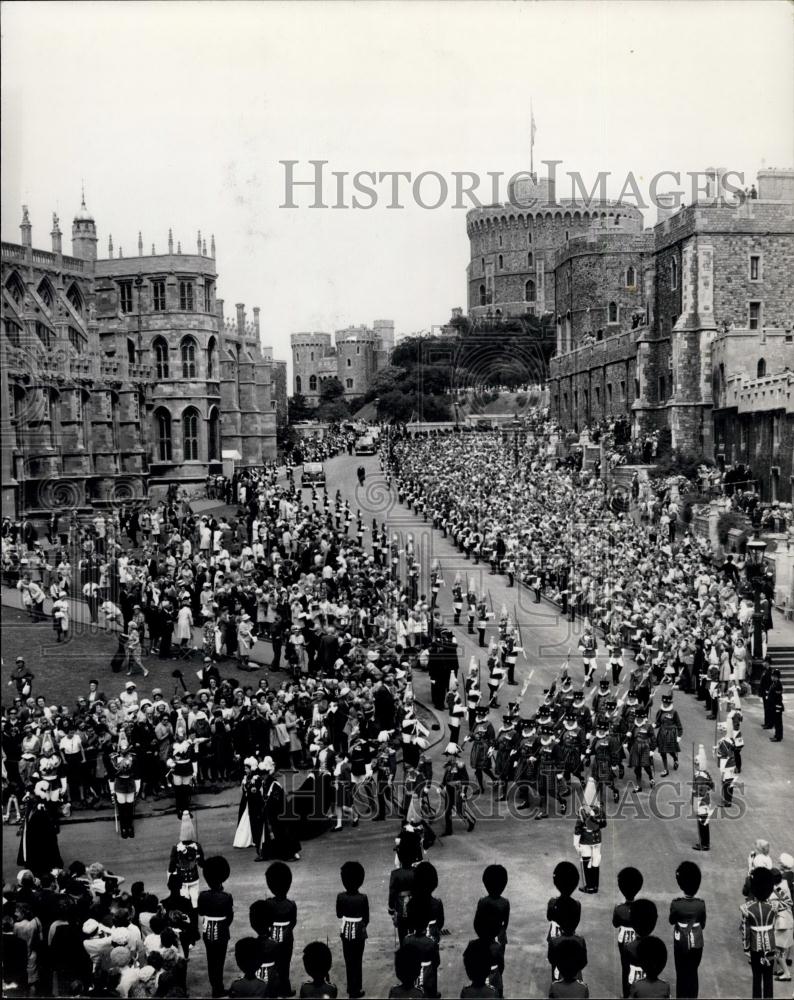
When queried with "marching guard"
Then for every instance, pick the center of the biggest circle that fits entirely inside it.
(573, 745)
(455, 783)
(549, 773)
(124, 786)
(482, 738)
(503, 754)
(599, 755)
(642, 743)
(187, 857)
(668, 732)
(588, 645)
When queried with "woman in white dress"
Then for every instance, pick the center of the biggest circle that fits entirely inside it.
(183, 632)
(242, 835)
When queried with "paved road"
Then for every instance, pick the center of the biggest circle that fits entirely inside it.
(529, 849)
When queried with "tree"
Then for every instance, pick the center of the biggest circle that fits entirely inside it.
(387, 380)
(333, 410)
(298, 409)
(330, 390)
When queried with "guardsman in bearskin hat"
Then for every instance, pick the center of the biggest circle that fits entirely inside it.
(124, 785)
(216, 910)
(668, 732)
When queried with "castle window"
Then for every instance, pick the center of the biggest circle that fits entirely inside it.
(43, 333)
(311, 355)
(662, 388)
(349, 383)
(163, 426)
(297, 383)
(190, 435)
(161, 359)
(130, 351)
(609, 393)
(529, 237)
(613, 312)
(636, 388)
(530, 259)
(158, 295)
(599, 335)
(754, 316)
(482, 293)
(312, 383)
(501, 260)
(45, 293)
(76, 299)
(755, 267)
(760, 368)
(207, 296)
(16, 288)
(529, 291)
(358, 348)
(631, 277)
(186, 295)
(125, 296)
(349, 362)
(674, 273)
(188, 352)
(483, 263)
(214, 436)
(211, 352)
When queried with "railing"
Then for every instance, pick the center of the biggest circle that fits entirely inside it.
(13, 251)
(73, 264)
(43, 257)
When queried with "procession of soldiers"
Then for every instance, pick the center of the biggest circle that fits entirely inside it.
(353, 620)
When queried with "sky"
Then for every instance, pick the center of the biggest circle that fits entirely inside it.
(177, 115)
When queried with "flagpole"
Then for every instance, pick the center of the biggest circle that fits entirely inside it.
(531, 140)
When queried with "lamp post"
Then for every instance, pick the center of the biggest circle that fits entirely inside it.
(754, 568)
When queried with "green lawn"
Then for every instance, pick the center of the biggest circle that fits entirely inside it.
(62, 671)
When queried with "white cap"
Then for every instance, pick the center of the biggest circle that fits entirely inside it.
(452, 749)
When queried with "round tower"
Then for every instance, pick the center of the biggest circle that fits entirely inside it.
(308, 350)
(84, 238)
(513, 249)
(356, 360)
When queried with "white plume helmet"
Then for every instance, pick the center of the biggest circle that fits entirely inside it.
(473, 665)
(700, 759)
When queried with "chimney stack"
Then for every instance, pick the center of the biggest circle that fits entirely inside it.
(241, 318)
